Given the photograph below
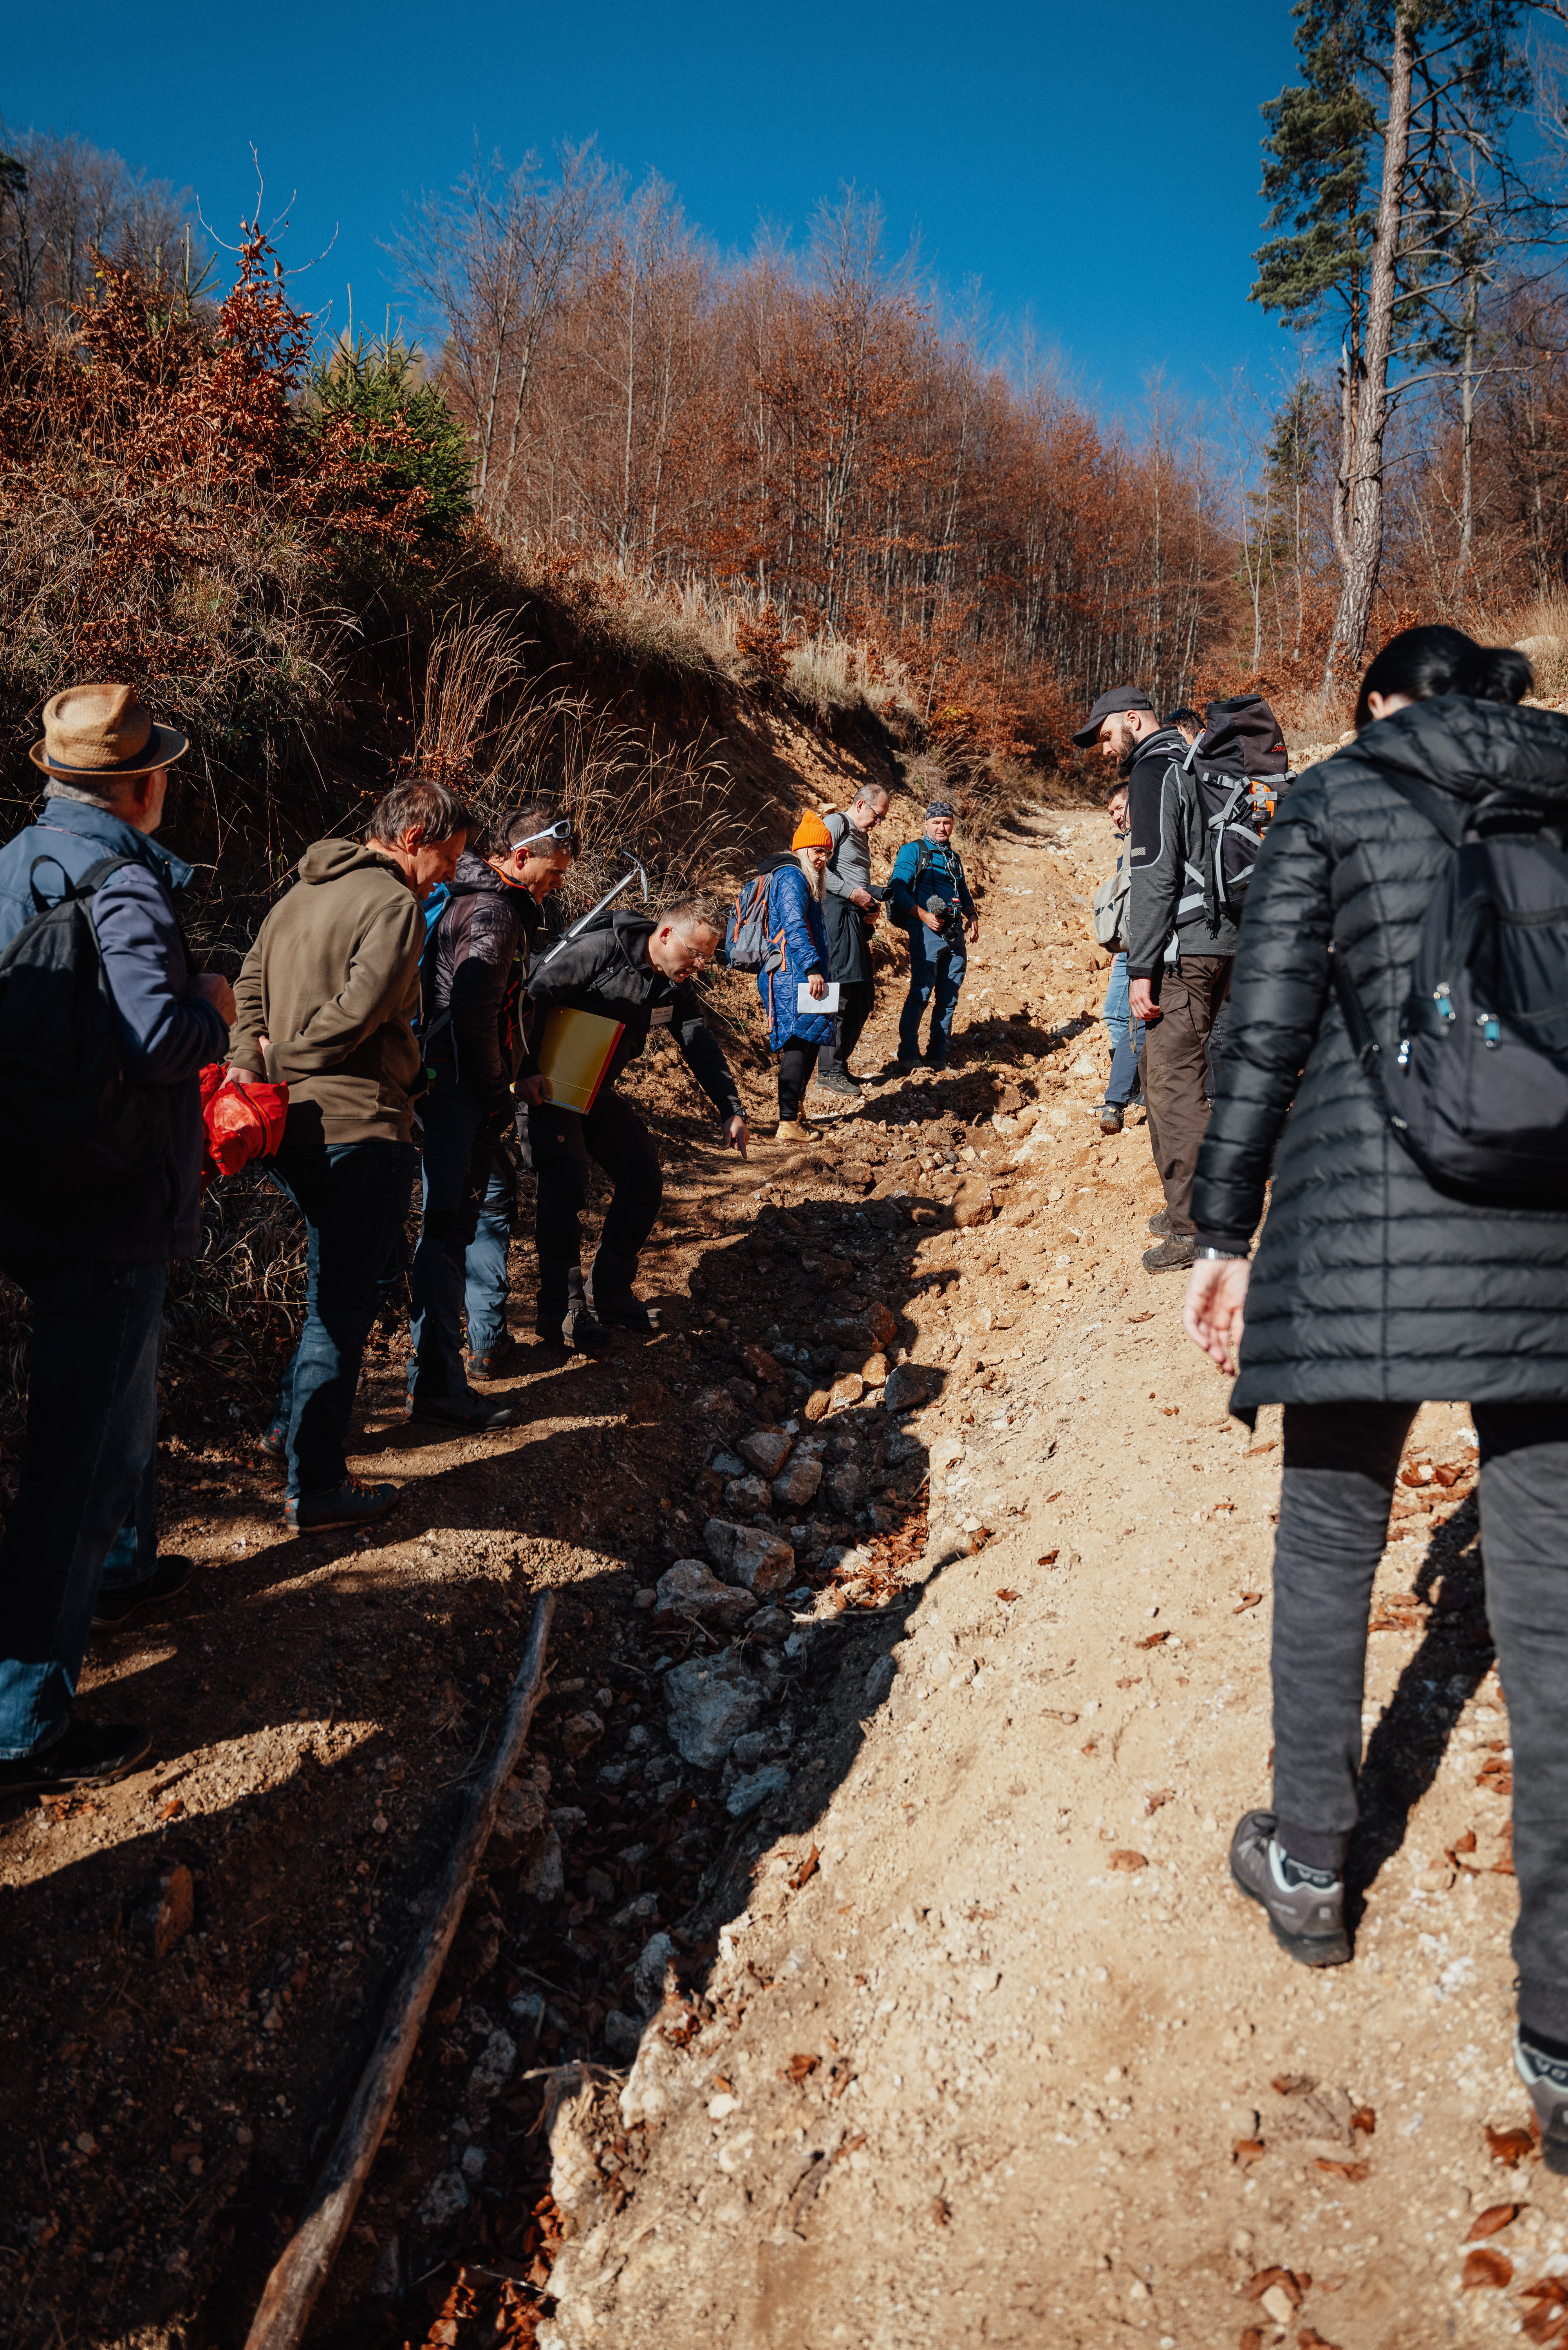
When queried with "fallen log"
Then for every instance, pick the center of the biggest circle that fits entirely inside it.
(305, 2264)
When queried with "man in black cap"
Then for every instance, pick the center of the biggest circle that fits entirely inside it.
(928, 892)
(1178, 973)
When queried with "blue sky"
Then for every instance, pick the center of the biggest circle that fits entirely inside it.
(1096, 169)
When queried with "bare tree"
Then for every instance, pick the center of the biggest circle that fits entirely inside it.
(494, 261)
(63, 203)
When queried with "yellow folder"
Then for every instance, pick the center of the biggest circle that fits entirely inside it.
(575, 1051)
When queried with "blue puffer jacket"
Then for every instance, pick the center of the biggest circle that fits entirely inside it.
(169, 1032)
(795, 921)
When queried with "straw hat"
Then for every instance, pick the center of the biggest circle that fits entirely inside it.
(811, 833)
(100, 732)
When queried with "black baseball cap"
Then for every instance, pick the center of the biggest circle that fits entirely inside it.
(1117, 698)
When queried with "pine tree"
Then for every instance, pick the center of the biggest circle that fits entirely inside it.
(1360, 178)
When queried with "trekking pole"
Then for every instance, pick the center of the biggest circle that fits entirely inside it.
(634, 872)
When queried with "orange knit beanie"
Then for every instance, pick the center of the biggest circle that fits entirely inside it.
(811, 833)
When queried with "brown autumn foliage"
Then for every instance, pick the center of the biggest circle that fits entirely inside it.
(808, 438)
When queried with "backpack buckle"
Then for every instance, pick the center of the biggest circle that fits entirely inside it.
(1491, 1028)
(1442, 998)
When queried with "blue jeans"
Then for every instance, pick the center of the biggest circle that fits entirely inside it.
(353, 1197)
(87, 1473)
(453, 1265)
(935, 969)
(1127, 1037)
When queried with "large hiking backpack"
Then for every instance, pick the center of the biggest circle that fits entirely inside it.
(1478, 1089)
(72, 1120)
(1240, 745)
(747, 946)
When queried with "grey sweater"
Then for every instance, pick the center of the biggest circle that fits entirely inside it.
(851, 855)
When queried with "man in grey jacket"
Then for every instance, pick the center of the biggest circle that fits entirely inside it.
(849, 908)
(1179, 967)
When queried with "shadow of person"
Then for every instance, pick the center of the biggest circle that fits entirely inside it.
(1406, 1750)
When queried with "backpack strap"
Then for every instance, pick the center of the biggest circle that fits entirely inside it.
(91, 880)
(1362, 1033)
(1443, 815)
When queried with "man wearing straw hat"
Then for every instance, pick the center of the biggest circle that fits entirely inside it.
(92, 1256)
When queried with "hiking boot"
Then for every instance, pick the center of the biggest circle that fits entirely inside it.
(1160, 1223)
(897, 1068)
(352, 1504)
(470, 1411)
(504, 1360)
(839, 1081)
(270, 1451)
(793, 1130)
(88, 1755)
(578, 1330)
(1111, 1117)
(628, 1312)
(1174, 1254)
(1546, 2078)
(1305, 1905)
(112, 1606)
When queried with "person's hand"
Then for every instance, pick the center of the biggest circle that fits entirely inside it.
(1141, 1003)
(864, 900)
(931, 921)
(1212, 1313)
(816, 985)
(974, 930)
(215, 989)
(532, 1092)
(735, 1135)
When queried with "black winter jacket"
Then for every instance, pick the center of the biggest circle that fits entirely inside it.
(471, 1009)
(1369, 1285)
(606, 969)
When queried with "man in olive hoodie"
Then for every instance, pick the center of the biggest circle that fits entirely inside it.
(325, 1004)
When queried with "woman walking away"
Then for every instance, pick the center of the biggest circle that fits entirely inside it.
(795, 892)
(1374, 1289)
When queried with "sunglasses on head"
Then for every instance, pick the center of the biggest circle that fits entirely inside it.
(565, 831)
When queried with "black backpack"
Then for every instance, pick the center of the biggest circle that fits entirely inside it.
(1478, 1091)
(72, 1121)
(1241, 743)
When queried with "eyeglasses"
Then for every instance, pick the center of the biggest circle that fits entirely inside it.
(565, 830)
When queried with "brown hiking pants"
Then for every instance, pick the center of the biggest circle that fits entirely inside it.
(1175, 1075)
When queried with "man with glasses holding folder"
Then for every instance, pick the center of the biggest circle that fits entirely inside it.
(595, 997)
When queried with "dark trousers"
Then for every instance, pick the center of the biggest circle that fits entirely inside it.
(354, 1197)
(1176, 1074)
(88, 1469)
(796, 1061)
(936, 969)
(856, 998)
(459, 1148)
(559, 1147)
(1340, 1464)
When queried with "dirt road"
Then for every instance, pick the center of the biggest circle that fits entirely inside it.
(900, 1877)
(991, 2050)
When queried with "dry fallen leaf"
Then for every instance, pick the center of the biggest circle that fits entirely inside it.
(1355, 2171)
(1246, 2150)
(807, 1867)
(1008, 1596)
(1485, 2266)
(1496, 2217)
(1155, 1640)
(800, 2068)
(1496, 1776)
(173, 1808)
(1157, 1796)
(1309, 2338)
(1055, 1496)
(1252, 2338)
(1291, 2286)
(1125, 1859)
(1512, 2146)
(1364, 2119)
(1169, 1411)
(1292, 2084)
(1048, 1559)
(940, 2211)
(1248, 1599)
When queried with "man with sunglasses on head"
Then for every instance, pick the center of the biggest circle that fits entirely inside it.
(637, 972)
(473, 1036)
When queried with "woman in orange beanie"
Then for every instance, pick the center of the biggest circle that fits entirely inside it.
(795, 889)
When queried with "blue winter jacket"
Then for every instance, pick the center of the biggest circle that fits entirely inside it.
(169, 1032)
(795, 921)
(943, 878)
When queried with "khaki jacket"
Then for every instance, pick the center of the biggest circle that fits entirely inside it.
(333, 983)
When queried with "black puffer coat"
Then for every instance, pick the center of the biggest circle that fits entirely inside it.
(1368, 1284)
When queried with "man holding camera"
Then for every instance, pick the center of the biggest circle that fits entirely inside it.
(928, 894)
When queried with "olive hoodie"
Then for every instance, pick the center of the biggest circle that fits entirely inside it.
(332, 982)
